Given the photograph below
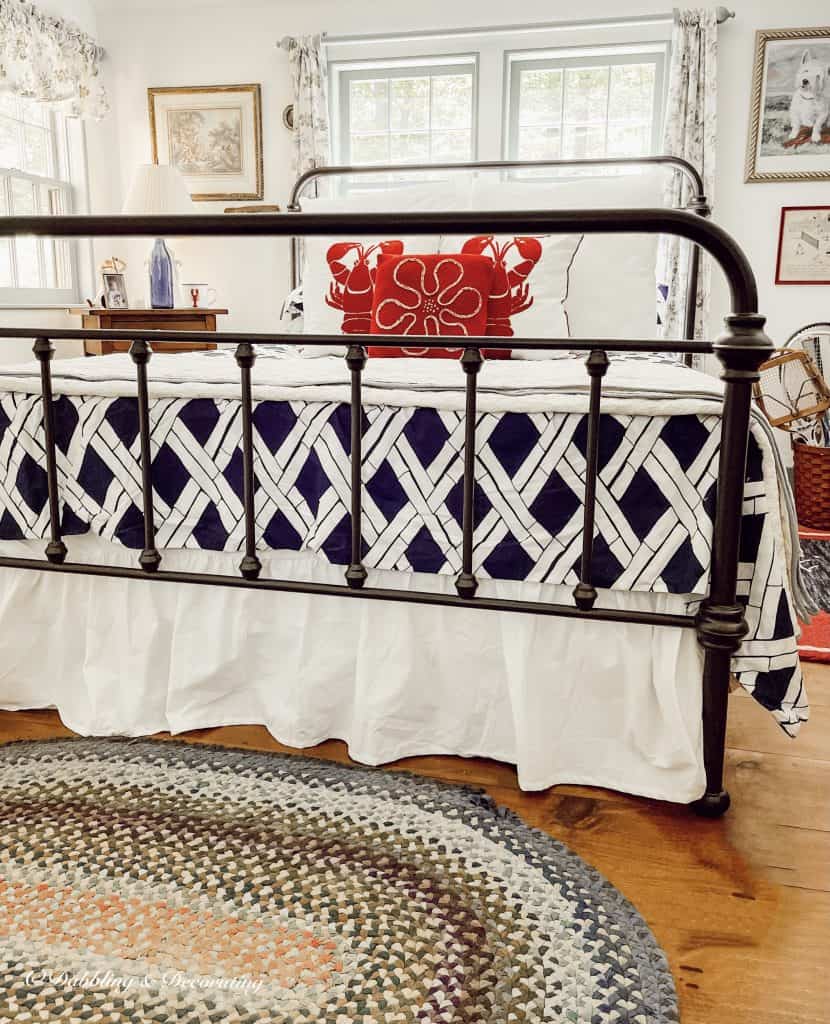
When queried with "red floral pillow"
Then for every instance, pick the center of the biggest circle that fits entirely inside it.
(439, 294)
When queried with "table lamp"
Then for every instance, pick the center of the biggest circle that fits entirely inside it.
(158, 188)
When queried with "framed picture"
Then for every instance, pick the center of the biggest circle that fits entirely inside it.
(789, 128)
(115, 291)
(213, 135)
(804, 246)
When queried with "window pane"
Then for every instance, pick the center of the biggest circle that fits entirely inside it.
(409, 148)
(36, 150)
(629, 139)
(586, 94)
(448, 147)
(421, 114)
(10, 155)
(584, 141)
(28, 263)
(409, 104)
(24, 200)
(368, 105)
(540, 96)
(452, 101)
(540, 143)
(632, 93)
(26, 249)
(369, 149)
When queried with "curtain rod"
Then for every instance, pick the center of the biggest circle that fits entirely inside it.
(723, 14)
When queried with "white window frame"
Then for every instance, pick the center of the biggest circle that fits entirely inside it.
(342, 73)
(492, 48)
(55, 195)
(583, 57)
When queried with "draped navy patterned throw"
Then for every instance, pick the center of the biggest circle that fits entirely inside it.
(147, 881)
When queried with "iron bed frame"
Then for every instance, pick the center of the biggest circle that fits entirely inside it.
(741, 348)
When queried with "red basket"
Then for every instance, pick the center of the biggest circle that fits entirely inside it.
(811, 467)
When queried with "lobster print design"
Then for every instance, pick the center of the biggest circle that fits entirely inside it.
(354, 281)
(511, 292)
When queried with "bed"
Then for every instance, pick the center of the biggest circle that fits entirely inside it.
(531, 553)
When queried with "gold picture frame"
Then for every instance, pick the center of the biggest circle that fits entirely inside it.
(779, 51)
(213, 135)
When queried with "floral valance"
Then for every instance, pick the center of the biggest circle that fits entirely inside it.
(50, 60)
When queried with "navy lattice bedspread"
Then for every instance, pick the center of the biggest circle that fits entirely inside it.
(656, 495)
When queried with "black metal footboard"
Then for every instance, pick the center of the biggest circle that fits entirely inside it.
(741, 348)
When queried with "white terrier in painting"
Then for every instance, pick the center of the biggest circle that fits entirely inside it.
(811, 105)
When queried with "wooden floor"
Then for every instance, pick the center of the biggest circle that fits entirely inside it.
(741, 905)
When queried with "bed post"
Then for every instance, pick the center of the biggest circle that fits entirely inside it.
(720, 622)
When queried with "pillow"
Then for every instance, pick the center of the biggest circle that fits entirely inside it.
(612, 291)
(531, 282)
(322, 296)
(433, 294)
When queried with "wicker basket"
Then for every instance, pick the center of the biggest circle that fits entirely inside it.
(812, 485)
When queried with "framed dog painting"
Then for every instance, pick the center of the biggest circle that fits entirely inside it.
(789, 130)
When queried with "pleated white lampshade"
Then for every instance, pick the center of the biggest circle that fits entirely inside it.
(158, 188)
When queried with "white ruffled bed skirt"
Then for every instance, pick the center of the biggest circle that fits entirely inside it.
(602, 704)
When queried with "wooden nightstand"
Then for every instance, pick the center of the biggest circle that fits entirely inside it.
(201, 319)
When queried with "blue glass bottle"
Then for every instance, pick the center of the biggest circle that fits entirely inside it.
(161, 276)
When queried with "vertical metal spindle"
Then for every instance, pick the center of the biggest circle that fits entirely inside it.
(140, 353)
(356, 361)
(44, 350)
(250, 566)
(466, 584)
(700, 205)
(585, 593)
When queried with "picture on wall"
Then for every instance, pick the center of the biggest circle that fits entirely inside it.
(789, 131)
(804, 245)
(212, 135)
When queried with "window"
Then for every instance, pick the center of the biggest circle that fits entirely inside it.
(561, 91)
(418, 112)
(585, 104)
(34, 179)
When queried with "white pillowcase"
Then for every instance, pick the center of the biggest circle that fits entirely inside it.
(319, 317)
(612, 290)
(547, 284)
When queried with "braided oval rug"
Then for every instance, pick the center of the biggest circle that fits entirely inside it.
(150, 881)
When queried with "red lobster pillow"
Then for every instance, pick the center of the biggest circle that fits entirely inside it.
(510, 293)
(352, 266)
(444, 295)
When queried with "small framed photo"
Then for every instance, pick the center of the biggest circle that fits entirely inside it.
(804, 245)
(213, 135)
(115, 291)
(789, 129)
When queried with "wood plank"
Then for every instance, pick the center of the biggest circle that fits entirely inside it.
(751, 727)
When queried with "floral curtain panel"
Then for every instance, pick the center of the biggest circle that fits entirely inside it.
(691, 128)
(311, 120)
(50, 60)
